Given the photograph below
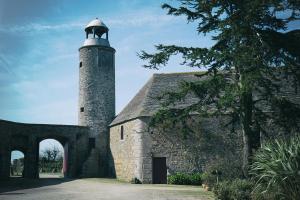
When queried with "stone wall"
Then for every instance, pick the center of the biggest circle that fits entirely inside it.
(97, 97)
(126, 154)
(26, 138)
(209, 145)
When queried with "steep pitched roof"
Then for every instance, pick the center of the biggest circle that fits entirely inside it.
(145, 102)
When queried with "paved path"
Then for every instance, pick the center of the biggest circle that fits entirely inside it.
(98, 189)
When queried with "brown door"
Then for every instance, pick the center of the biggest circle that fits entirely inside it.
(159, 170)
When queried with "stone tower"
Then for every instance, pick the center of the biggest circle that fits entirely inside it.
(97, 95)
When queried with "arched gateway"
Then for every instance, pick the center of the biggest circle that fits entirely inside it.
(27, 138)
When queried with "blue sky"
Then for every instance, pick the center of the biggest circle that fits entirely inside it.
(39, 52)
(39, 43)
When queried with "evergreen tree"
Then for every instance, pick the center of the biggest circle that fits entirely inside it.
(253, 49)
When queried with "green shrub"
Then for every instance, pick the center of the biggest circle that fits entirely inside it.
(222, 190)
(179, 179)
(238, 189)
(241, 189)
(185, 179)
(276, 170)
(209, 179)
(196, 179)
(222, 169)
(135, 181)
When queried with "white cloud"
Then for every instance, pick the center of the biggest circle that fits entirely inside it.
(40, 27)
(129, 20)
(141, 20)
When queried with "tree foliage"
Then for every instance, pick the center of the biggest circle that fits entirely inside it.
(51, 160)
(51, 154)
(254, 58)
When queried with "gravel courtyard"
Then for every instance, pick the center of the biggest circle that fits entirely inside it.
(90, 189)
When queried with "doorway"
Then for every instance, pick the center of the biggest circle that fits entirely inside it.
(159, 170)
(17, 164)
(52, 159)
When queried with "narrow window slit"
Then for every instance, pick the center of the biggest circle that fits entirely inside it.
(122, 133)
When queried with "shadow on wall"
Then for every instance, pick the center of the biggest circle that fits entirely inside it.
(14, 184)
(0, 164)
(111, 164)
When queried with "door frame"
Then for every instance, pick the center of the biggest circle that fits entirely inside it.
(163, 171)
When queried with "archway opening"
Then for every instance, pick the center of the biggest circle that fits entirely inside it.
(17, 164)
(52, 161)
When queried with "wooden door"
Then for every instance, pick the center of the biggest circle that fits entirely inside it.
(159, 170)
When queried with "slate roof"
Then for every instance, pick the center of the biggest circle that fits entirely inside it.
(145, 102)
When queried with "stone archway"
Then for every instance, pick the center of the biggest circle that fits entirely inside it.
(53, 158)
(27, 137)
(17, 164)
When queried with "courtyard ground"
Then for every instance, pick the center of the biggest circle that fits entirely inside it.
(94, 188)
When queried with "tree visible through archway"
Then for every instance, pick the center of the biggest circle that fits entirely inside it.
(51, 159)
(16, 164)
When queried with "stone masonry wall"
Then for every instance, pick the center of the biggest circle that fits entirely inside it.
(26, 138)
(208, 146)
(97, 97)
(127, 153)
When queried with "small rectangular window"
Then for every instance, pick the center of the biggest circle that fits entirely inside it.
(92, 143)
(80, 64)
(82, 109)
(122, 133)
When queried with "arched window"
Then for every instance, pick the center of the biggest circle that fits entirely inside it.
(17, 163)
(80, 64)
(122, 133)
(52, 158)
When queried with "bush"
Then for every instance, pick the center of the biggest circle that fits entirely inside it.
(209, 179)
(185, 179)
(222, 190)
(276, 170)
(241, 189)
(229, 166)
(135, 181)
(196, 179)
(238, 189)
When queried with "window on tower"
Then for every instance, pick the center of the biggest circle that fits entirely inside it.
(80, 64)
(92, 143)
(82, 109)
(122, 133)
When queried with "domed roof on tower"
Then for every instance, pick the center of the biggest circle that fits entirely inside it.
(96, 28)
(97, 24)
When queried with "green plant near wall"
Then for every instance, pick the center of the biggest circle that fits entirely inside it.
(276, 170)
(185, 179)
(238, 189)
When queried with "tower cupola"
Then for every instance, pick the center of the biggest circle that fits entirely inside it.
(95, 31)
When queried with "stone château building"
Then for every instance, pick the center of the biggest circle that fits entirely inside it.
(148, 154)
(123, 146)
